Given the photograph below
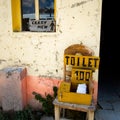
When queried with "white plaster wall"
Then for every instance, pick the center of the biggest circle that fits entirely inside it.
(78, 21)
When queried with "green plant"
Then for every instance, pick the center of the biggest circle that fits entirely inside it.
(47, 104)
(25, 114)
(4, 116)
(1, 116)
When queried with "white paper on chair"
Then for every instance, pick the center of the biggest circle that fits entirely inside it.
(82, 88)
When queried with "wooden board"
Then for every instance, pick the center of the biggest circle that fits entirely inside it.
(65, 94)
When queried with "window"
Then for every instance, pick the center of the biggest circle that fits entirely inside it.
(34, 15)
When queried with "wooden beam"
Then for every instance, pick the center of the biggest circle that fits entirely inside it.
(16, 15)
(37, 13)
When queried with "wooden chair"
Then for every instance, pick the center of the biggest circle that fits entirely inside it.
(89, 109)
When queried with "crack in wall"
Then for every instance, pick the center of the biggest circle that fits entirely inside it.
(80, 3)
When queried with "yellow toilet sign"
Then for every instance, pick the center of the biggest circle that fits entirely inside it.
(81, 75)
(78, 70)
(91, 62)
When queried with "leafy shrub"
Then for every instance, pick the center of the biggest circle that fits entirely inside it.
(25, 114)
(47, 102)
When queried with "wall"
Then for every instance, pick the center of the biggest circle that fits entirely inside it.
(77, 21)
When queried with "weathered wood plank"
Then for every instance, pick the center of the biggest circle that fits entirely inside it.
(78, 107)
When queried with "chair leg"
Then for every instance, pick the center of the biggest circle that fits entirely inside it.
(90, 115)
(57, 112)
(63, 110)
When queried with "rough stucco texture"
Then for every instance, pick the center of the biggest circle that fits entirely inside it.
(77, 21)
(16, 88)
(12, 93)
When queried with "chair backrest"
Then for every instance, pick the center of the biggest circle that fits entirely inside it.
(75, 49)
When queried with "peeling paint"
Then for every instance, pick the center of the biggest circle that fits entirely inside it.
(42, 85)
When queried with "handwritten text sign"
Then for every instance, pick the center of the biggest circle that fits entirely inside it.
(44, 25)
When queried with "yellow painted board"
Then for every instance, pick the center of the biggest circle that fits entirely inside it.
(65, 87)
(81, 75)
(65, 94)
(55, 9)
(16, 15)
(91, 62)
(75, 98)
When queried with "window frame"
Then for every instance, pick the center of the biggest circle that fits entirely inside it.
(17, 15)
